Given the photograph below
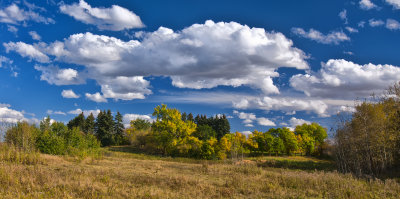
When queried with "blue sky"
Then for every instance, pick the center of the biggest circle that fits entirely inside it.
(263, 63)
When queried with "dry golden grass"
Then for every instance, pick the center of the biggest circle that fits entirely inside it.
(126, 175)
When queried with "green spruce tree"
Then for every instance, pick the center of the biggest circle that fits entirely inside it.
(118, 129)
(89, 124)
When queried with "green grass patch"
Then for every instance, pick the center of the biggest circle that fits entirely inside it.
(132, 152)
(295, 162)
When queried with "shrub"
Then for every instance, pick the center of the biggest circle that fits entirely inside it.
(50, 143)
(55, 139)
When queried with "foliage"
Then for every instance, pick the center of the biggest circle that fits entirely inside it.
(176, 134)
(204, 132)
(219, 124)
(60, 140)
(367, 143)
(104, 128)
(51, 143)
(313, 136)
(119, 136)
(56, 139)
(89, 124)
(284, 140)
(169, 130)
(237, 145)
(140, 124)
(22, 135)
(107, 129)
(78, 121)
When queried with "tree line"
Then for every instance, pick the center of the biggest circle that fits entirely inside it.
(170, 134)
(176, 134)
(367, 142)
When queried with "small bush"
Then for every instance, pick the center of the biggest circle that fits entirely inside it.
(50, 143)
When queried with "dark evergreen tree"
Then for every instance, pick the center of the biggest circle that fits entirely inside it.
(118, 129)
(222, 127)
(141, 124)
(190, 117)
(89, 124)
(204, 132)
(197, 119)
(184, 116)
(100, 126)
(105, 128)
(110, 128)
(78, 121)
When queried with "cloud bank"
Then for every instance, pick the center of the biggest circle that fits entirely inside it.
(341, 79)
(200, 56)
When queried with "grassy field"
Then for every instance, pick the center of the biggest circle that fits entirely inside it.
(130, 175)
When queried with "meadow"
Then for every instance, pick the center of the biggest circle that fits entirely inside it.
(122, 173)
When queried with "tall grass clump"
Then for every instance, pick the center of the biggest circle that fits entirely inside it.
(13, 154)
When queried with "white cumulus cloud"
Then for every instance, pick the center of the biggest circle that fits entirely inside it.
(125, 88)
(249, 118)
(51, 112)
(366, 5)
(9, 115)
(343, 16)
(5, 60)
(351, 30)
(265, 122)
(246, 133)
(392, 24)
(296, 122)
(334, 37)
(12, 29)
(375, 22)
(394, 3)
(35, 35)
(127, 118)
(343, 79)
(69, 94)
(59, 76)
(27, 50)
(199, 56)
(286, 104)
(13, 14)
(115, 18)
(96, 97)
(85, 112)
